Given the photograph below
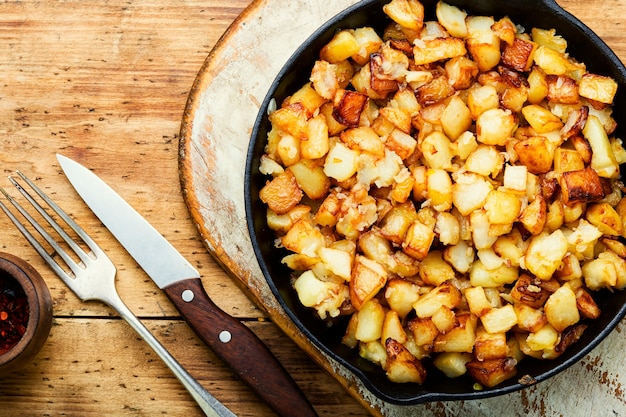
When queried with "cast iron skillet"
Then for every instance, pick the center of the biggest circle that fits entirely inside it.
(584, 45)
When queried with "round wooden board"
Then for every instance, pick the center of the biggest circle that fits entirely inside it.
(215, 132)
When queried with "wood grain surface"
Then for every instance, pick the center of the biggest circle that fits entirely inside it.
(107, 83)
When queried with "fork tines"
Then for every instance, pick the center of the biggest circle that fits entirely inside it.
(57, 249)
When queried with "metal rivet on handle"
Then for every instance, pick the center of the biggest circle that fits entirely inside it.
(225, 336)
(187, 296)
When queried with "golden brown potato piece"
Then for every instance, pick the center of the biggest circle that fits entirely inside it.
(583, 185)
(348, 106)
(368, 277)
(519, 54)
(490, 373)
(401, 365)
(282, 193)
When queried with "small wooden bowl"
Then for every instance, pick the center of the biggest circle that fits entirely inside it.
(39, 314)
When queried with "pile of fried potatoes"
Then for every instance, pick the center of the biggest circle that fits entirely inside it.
(453, 186)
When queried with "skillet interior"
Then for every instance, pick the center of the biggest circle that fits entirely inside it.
(584, 45)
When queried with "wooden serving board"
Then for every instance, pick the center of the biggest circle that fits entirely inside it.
(215, 133)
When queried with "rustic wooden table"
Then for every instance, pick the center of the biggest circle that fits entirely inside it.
(106, 82)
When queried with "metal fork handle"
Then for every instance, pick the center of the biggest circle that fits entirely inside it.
(207, 402)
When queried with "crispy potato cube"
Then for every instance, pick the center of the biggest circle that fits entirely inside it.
(396, 222)
(586, 304)
(541, 119)
(482, 43)
(418, 239)
(317, 144)
(529, 291)
(477, 301)
(452, 18)
(400, 295)
(348, 106)
(490, 345)
(392, 328)
(325, 297)
(445, 294)
(375, 246)
(549, 39)
(461, 338)
(500, 319)
(452, 364)
(485, 160)
(439, 189)
(490, 373)
(364, 139)
(436, 151)
(341, 47)
(341, 162)
(602, 158)
(291, 119)
(460, 256)
(502, 207)
(308, 97)
(479, 223)
(401, 143)
(427, 51)
(324, 81)
(581, 186)
(334, 126)
(311, 178)
(534, 216)
(444, 320)
(482, 98)
(288, 150)
(282, 193)
(536, 153)
(537, 86)
(374, 352)
(434, 91)
(569, 269)
(328, 211)
(597, 88)
(368, 41)
(281, 223)
(545, 338)
(519, 54)
(448, 229)
(401, 365)
(515, 178)
(561, 309)
(562, 89)
(434, 270)
(461, 72)
(495, 127)
(508, 249)
(368, 278)
(303, 238)
(605, 218)
(552, 62)
(456, 118)
(529, 319)
(567, 160)
(370, 320)
(545, 254)
(407, 13)
(338, 261)
(424, 331)
(470, 192)
(599, 273)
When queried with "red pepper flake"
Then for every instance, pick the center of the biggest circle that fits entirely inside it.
(13, 312)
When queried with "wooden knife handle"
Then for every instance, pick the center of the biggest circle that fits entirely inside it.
(240, 348)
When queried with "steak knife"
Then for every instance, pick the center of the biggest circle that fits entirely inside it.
(230, 340)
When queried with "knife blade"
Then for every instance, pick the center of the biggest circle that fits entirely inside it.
(230, 340)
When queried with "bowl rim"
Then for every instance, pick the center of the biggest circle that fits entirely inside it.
(39, 304)
(423, 396)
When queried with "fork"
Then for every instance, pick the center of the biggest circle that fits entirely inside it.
(93, 278)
